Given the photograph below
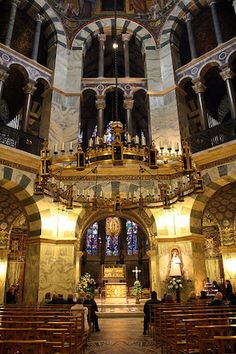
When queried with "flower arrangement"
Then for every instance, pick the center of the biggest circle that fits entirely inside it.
(86, 285)
(175, 284)
(137, 289)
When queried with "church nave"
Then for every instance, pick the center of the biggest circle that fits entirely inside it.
(121, 336)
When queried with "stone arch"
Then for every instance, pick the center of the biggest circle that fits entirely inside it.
(25, 199)
(144, 219)
(54, 26)
(169, 32)
(83, 38)
(201, 201)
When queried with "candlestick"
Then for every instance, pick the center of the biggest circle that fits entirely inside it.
(55, 149)
(71, 146)
(63, 147)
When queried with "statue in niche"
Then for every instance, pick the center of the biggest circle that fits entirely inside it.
(176, 264)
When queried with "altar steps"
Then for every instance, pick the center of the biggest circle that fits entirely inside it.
(120, 310)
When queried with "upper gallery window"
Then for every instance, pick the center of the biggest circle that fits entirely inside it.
(108, 5)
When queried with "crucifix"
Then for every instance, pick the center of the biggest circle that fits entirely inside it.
(136, 271)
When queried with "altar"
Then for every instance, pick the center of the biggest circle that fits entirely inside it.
(114, 277)
(116, 290)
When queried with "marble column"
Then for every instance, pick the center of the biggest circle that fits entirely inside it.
(39, 21)
(100, 105)
(3, 273)
(234, 5)
(229, 263)
(3, 76)
(188, 18)
(102, 39)
(126, 38)
(152, 254)
(128, 105)
(78, 255)
(212, 5)
(29, 90)
(14, 4)
(199, 88)
(227, 75)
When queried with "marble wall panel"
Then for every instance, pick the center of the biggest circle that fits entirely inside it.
(153, 72)
(65, 118)
(164, 118)
(167, 71)
(57, 269)
(32, 274)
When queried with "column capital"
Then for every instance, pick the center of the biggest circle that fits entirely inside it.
(199, 87)
(227, 73)
(30, 87)
(152, 253)
(128, 102)
(102, 37)
(16, 2)
(100, 102)
(3, 73)
(39, 18)
(126, 37)
(211, 2)
(188, 17)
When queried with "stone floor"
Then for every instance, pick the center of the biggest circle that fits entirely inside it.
(121, 336)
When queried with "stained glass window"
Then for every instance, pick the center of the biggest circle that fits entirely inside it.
(113, 228)
(92, 240)
(131, 237)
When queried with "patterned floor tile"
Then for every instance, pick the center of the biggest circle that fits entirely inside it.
(121, 336)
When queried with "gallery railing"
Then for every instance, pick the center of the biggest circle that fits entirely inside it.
(19, 140)
(213, 136)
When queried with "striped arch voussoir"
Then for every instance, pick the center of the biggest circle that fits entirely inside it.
(202, 200)
(28, 204)
(52, 23)
(84, 36)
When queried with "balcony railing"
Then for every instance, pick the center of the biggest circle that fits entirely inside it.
(19, 140)
(213, 136)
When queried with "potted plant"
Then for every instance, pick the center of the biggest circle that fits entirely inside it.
(175, 284)
(86, 285)
(137, 289)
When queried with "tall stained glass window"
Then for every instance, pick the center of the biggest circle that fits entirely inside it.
(113, 228)
(131, 237)
(92, 240)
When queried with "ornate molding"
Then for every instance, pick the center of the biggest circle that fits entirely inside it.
(18, 166)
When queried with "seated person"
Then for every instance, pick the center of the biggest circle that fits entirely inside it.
(203, 295)
(217, 301)
(76, 310)
(169, 299)
(146, 310)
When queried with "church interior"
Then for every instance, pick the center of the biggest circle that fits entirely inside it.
(117, 146)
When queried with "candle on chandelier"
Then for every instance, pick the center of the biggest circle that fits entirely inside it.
(55, 149)
(63, 147)
(71, 146)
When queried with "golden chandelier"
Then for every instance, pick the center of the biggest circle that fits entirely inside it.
(61, 174)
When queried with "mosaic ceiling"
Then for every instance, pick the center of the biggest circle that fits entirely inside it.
(11, 212)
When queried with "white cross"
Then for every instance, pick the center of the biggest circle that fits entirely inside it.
(136, 271)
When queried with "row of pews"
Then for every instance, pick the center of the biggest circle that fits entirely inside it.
(195, 328)
(52, 329)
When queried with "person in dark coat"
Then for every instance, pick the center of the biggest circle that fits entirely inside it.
(228, 289)
(89, 300)
(11, 297)
(146, 310)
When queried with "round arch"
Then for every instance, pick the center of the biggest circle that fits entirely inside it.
(83, 38)
(144, 219)
(55, 29)
(27, 202)
(201, 201)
